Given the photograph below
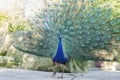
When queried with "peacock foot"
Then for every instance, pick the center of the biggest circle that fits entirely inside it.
(54, 73)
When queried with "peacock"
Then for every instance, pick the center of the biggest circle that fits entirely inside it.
(79, 30)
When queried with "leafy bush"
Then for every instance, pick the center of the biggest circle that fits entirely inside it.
(12, 28)
(3, 53)
(10, 61)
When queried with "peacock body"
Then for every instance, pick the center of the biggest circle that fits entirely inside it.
(90, 29)
(59, 56)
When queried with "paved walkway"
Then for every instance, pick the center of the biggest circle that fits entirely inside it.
(21, 74)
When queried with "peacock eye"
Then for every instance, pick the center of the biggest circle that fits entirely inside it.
(97, 27)
(115, 30)
(55, 5)
(112, 23)
(93, 8)
(98, 8)
(45, 10)
(106, 29)
(51, 10)
(109, 10)
(108, 16)
(102, 22)
(98, 14)
(92, 0)
(117, 19)
(48, 5)
(117, 38)
(79, 27)
(76, 21)
(81, 14)
(98, 33)
(66, 5)
(89, 14)
(92, 20)
(97, 39)
(69, 0)
(57, 24)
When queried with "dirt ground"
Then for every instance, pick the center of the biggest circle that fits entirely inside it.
(22, 74)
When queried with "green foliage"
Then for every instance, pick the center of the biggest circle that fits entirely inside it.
(23, 26)
(10, 60)
(17, 60)
(2, 16)
(3, 53)
(3, 19)
(12, 28)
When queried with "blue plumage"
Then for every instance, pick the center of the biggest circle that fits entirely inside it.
(59, 56)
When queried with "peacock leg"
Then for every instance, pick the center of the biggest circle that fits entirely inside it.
(62, 73)
(55, 71)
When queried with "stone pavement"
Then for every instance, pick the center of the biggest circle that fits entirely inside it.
(22, 74)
